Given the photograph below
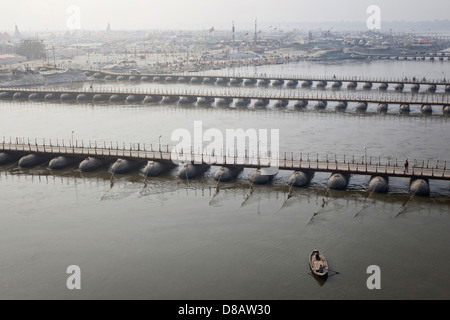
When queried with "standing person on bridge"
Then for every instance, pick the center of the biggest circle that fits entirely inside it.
(406, 165)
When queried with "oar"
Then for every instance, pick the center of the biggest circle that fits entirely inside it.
(329, 276)
(335, 272)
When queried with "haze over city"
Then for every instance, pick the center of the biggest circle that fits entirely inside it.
(198, 14)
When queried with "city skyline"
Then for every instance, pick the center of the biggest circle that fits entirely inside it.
(51, 15)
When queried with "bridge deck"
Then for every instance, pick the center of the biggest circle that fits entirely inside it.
(406, 54)
(135, 152)
(315, 96)
(299, 78)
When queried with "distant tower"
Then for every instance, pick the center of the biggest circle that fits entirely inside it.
(108, 28)
(17, 34)
(232, 30)
(256, 31)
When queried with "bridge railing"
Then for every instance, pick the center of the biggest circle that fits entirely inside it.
(237, 94)
(297, 77)
(284, 160)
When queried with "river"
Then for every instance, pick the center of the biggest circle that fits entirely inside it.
(170, 239)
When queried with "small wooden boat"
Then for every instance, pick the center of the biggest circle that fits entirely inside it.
(318, 264)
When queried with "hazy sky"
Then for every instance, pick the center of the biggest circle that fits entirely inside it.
(31, 15)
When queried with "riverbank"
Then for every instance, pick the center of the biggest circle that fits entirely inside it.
(42, 78)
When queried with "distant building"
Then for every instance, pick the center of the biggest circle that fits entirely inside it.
(4, 38)
(33, 49)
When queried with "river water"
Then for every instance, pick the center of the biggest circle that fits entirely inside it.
(170, 239)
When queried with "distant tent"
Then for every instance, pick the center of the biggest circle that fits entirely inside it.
(11, 58)
(4, 38)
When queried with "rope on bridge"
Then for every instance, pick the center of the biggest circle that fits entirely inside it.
(111, 185)
(145, 185)
(217, 190)
(9, 167)
(406, 205)
(317, 212)
(364, 203)
(248, 195)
